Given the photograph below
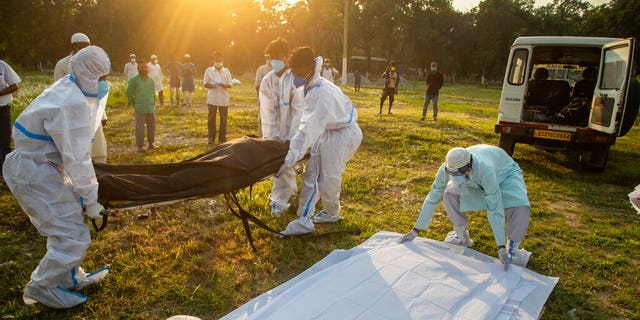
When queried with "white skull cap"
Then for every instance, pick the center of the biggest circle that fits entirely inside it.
(133, 55)
(153, 56)
(79, 37)
(87, 66)
(457, 158)
(186, 55)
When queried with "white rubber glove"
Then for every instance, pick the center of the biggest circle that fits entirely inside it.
(409, 236)
(93, 211)
(282, 170)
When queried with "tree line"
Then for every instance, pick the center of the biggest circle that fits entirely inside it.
(36, 33)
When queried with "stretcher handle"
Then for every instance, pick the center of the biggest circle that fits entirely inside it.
(103, 225)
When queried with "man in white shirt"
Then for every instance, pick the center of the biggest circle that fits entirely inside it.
(9, 80)
(131, 68)
(78, 41)
(155, 72)
(217, 79)
(328, 72)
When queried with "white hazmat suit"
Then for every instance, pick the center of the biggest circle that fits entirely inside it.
(328, 126)
(280, 112)
(51, 175)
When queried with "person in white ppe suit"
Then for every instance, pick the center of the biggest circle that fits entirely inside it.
(51, 175)
(99, 146)
(480, 177)
(155, 72)
(328, 126)
(280, 112)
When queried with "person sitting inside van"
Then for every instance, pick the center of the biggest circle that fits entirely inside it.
(577, 111)
(584, 88)
(547, 96)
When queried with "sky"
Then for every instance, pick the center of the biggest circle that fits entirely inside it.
(466, 5)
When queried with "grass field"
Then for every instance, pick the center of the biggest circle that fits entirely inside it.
(193, 258)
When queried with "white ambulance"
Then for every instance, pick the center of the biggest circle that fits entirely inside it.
(568, 93)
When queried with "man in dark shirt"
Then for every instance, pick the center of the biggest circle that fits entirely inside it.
(434, 83)
(392, 79)
(174, 68)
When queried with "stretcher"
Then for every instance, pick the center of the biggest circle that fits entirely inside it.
(225, 169)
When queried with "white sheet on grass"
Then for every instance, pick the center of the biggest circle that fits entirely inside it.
(422, 279)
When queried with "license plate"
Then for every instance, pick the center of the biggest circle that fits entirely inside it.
(553, 135)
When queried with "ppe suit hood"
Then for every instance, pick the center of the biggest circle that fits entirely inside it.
(87, 66)
(316, 73)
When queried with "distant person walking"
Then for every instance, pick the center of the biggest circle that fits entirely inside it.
(188, 87)
(391, 82)
(175, 69)
(217, 79)
(155, 72)
(131, 67)
(141, 96)
(435, 80)
(357, 78)
(9, 80)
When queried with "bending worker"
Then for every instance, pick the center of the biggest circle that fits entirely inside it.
(328, 126)
(51, 175)
(280, 116)
(480, 177)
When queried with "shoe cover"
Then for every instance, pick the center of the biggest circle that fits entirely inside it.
(278, 208)
(81, 280)
(520, 257)
(324, 217)
(453, 238)
(56, 297)
(298, 226)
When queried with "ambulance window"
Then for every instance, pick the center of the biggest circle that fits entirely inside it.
(518, 67)
(614, 71)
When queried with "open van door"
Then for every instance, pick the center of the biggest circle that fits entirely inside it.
(612, 88)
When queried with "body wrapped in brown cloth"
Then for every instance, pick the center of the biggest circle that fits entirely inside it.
(224, 169)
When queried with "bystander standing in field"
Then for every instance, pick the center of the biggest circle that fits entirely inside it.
(99, 145)
(435, 80)
(9, 80)
(141, 96)
(480, 177)
(217, 79)
(155, 72)
(174, 68)
(280, 111)
(51, 175)
(328, 71)
(131, 67)
(391, 82)
(357, 79)
(329, 127)
(78, 41)
(188, 86)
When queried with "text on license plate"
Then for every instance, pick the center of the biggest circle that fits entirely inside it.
(554, 135)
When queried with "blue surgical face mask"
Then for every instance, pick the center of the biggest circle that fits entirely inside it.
(277, 65)
(434, 68)
(458, 179)
(103, 89)
(299, 81)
